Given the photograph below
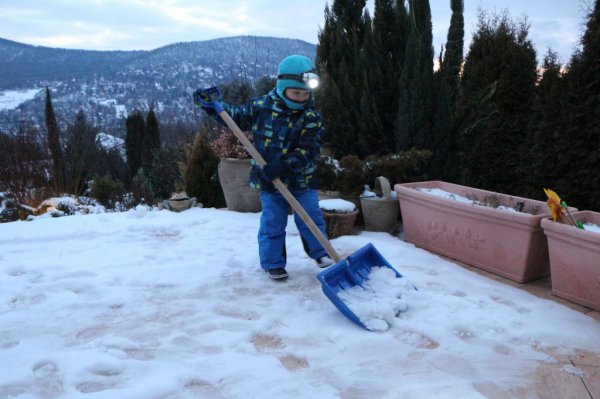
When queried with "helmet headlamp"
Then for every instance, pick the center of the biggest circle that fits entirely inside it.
(311, 79)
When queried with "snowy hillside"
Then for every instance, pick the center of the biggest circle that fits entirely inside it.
(108, 85)
(155, 304)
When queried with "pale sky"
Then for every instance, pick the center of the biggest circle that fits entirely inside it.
(149, 24)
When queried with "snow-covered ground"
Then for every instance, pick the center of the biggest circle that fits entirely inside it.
(149, 305)
(11, 99)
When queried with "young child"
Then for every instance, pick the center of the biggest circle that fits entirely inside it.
(287, 129)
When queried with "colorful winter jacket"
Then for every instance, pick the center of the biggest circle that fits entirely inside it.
(279, 133)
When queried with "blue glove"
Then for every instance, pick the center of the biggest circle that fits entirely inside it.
(204, 102)
(275, 169)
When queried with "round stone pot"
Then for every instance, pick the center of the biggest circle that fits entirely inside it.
(234, 175)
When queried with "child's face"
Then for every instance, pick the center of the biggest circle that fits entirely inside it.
(297, 95)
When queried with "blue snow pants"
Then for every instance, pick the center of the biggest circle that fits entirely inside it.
(273, 221)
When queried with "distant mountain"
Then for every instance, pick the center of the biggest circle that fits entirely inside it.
(110, 84)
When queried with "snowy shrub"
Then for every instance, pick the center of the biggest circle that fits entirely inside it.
(107, 190)
(351, 175)
(403, 167)
(199, 172)
(11, 210)
(326, 173)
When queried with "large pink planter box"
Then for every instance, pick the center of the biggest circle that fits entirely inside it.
(575, 259)
(509, 244)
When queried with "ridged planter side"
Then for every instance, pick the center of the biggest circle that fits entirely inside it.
(234, 175)
(509, 244)
(575, 260)
(339, 224)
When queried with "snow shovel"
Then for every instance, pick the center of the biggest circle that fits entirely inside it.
(345, 273)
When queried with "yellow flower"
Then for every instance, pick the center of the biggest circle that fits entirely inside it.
(554, 204)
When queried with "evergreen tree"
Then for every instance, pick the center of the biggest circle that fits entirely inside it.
(151, 140)
(81, 153)
(446, 87)
(579, 179)
(497, 91)
(54, 145)
(416, 81)
(199, 172)
(339, 62)
(237, 92)
(370, 132)
(453, 58)
(390, 31)
(546, 129)
(264, 85)
(134, 141)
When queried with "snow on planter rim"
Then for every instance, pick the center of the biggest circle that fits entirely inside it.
(337, 205)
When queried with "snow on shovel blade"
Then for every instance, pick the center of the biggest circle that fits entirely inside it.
(365, 288)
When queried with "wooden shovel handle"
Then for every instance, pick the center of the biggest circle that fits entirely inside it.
(282, 188)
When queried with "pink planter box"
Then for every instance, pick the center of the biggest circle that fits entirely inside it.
(510, 244)
(575, 260)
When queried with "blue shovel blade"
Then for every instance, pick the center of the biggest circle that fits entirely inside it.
(350, 272)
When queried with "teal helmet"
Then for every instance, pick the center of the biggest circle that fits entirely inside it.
(296, 71)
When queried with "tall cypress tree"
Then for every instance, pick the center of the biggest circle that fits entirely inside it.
(370, 133)
(415, 104)
(453, 58)
(541, 169)
(390, 31)
(339, 61)
(580, 163)
(134, 141)
(151, 140)
(82, 154)
(56, 151)
(497, 91)
(446, 88)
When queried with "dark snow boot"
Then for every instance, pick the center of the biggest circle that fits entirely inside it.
(277, 274)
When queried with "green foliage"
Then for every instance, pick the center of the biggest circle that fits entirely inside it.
(134, 141)
(578, 160)
(165, 175)
(340, 67)
(54, 145)
(445, 143)
(237, 92)
(151, 140)
(199, 172)
(82, 154)
(107, 190)
(11, 210)
(142, 188)
(264, 85)
(416, 82)
(546, 127)
(496, 103)
(350, 175)
(403, 167)
(326, 173)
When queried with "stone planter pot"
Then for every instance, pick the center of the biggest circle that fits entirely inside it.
(234, 175)
(510, 244)
(339, 224)
(575, 259)
(380, 213)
